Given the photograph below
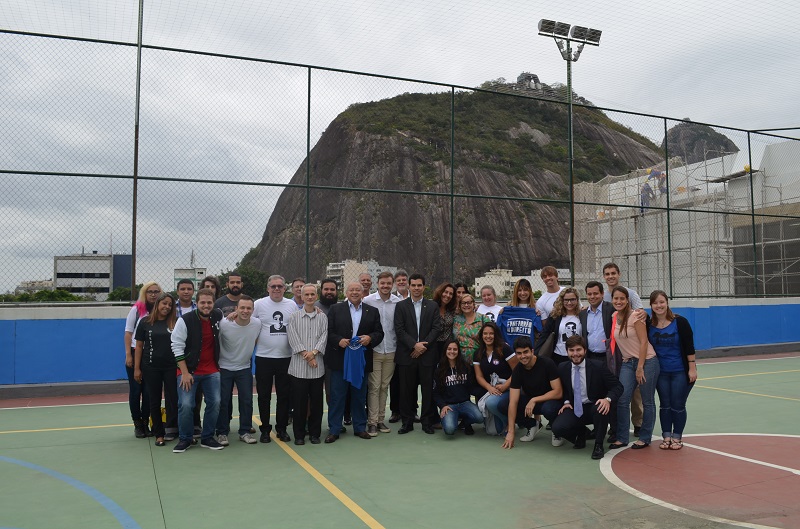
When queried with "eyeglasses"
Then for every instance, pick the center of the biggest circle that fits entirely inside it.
(467, 303)
(570, 300)
(276, 287)
(153, 292)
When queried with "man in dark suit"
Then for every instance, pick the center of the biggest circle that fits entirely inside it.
(596, 322)
(589, 403)
(350, 323)
(417, 324)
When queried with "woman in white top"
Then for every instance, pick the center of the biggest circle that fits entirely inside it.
(138, 399)
(564, 321)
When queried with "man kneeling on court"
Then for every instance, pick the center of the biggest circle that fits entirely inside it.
(535, 390)
(590, 390)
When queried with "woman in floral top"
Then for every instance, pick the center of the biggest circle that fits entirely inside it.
(467, 327)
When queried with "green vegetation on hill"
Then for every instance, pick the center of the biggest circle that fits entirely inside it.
(482, 124)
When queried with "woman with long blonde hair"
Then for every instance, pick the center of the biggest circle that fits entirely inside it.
(138, 399)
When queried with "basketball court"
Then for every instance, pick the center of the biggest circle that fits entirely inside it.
(71, 462)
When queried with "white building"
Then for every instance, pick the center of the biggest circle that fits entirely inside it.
(707, 243)
(91, 274)
(348, 271)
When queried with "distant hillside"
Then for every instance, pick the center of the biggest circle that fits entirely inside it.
(695, 143)
(504, 147)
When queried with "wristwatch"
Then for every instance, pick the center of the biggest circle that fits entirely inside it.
(608, 399)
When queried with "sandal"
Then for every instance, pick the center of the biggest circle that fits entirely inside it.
(160, 441)
(666, 443)
(677, 444)
(639, 445)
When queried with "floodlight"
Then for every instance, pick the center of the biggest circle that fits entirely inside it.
(562, 29)
(553, 28)
(587, 35)
(547, 26)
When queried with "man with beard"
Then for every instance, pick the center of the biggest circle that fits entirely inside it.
(382, 355)
(590, 390)
(228, 302)
(329, 295)
(195, 344)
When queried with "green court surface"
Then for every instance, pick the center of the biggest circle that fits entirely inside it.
(79, 466)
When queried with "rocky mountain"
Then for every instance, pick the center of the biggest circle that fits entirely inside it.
(694, 142)
(387, 153)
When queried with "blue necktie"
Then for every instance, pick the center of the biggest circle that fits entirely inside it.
(577, 390)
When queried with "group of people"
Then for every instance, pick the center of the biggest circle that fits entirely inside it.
(446, 363)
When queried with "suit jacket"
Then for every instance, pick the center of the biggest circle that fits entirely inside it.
(340, 325)
(607, 311)
(600, 382)
(405, 326)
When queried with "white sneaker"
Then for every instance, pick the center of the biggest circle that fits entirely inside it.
(557, 441)
(531, 434)
(223, 440)
(248, 438)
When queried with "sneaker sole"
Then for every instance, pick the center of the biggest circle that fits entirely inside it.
(212, 447)
(248, 442)
(176, 450)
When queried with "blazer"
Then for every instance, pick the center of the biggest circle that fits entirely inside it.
(340, 325)
(607, 311)
(405, 326)
(600, 382)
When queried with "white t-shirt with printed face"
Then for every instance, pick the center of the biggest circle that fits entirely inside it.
(569, 326)
(273, 341)
(490, 312)
(545, 303)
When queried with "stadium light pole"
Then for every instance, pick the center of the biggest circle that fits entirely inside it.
(564, 35)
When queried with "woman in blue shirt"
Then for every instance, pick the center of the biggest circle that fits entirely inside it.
(673, 340)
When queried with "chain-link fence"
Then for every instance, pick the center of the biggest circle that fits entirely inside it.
(279, 168)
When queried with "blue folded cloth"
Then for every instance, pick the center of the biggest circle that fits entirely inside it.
(354, 363)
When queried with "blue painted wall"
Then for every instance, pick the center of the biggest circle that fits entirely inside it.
(80, 350)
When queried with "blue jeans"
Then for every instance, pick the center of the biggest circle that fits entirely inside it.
(673, 391)
(358, 403)
(244, 383)
(494, 403)
(467, 410)
(210, 386)
(627, 375)
(137, 392)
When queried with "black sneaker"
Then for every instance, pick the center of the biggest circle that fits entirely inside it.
(265, 438)
(211, 443)
(182, 446)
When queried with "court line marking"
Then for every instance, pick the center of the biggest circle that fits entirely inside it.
(73, 405)
(749, 393)
(709, 361)
(751, 374)
(363, 515)
(124, 519)
(742, 458)
(608, 473)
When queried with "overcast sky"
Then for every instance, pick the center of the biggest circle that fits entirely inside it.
(68, 106)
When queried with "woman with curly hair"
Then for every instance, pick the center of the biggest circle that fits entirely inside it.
(493, 364)
(564, 321)
(467, 326)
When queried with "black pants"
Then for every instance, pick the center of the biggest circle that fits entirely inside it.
(412, 376)
(570, 427)
(154, 380)
(394, 394)
(269, 371)
(307, 395)
(138, 399)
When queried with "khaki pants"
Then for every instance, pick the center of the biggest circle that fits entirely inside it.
(379, 379)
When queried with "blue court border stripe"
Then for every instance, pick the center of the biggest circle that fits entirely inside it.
(110, 505)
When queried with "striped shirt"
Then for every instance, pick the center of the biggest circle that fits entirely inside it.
(308, 331)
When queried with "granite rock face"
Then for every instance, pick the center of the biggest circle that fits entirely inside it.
(386, 219)
(694, 142)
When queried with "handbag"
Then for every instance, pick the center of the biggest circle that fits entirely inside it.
(548, 347)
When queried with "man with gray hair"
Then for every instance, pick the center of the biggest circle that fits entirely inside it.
(273, 355)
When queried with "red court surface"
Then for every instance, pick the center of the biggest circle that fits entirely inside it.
(746, 480)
